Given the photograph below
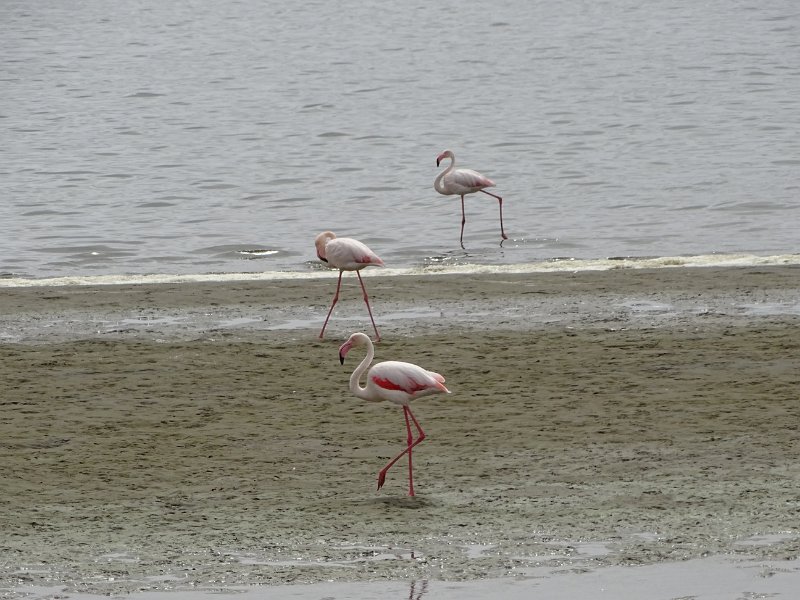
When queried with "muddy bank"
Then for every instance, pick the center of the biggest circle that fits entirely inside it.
(224, 456)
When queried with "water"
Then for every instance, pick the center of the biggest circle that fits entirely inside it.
(220, 137)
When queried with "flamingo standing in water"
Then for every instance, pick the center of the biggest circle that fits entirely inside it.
(346, 254)
(460, 182)
(398, 382)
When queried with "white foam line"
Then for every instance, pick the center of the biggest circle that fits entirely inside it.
(565, 265)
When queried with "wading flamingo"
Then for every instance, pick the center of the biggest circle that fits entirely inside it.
(346, 254)
(460, 182)
(398, 382)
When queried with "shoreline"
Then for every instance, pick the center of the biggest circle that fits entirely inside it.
(403, 305)
(702, 579)
(439, 266)
(179, 437)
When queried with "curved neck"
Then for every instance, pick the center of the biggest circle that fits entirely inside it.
(437, 183)
(357, 390)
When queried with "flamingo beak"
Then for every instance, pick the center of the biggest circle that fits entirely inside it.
(343, 350)
(437, 161)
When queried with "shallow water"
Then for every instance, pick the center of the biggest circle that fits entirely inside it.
(700, 579)
(205, 137)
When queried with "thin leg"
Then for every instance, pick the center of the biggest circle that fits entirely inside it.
(409, 440)
(463, 220)
(500, 201)
(369, 310)
(382, 474)
(335, 300)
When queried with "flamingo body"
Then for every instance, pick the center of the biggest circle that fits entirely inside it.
(396, 382)
(463, 181)
(402, 382)
(346, 254)
(460, 182)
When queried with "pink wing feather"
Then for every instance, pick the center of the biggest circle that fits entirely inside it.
(405, 378)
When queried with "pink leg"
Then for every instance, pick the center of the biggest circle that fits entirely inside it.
(382, 474)
(500, 201)
(463, 220)
(335, 300)
(369, 310)
(409, 440)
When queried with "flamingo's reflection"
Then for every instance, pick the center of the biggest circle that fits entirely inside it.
(417, 589)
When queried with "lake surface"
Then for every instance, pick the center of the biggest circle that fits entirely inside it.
(197, 137)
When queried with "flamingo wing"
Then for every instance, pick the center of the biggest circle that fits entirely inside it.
(401, 381)
(350, 254)
(469, 181)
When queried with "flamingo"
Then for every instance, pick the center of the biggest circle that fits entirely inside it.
(346, 254)
(398, 382)
(460, 182)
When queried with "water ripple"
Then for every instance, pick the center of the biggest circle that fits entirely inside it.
(609, 132)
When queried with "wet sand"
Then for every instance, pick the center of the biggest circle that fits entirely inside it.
(200, 435)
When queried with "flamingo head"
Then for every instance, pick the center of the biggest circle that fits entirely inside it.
(357, 339)
(443, 155)
(320, 241)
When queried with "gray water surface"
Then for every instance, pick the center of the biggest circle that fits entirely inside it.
(184, 137)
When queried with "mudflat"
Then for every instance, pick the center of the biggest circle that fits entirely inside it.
(195, 434)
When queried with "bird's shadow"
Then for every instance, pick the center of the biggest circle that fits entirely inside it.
(399, 502)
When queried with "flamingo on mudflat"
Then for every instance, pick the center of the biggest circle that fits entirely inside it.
(346, 254)
(394, 381)
(460, 182)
